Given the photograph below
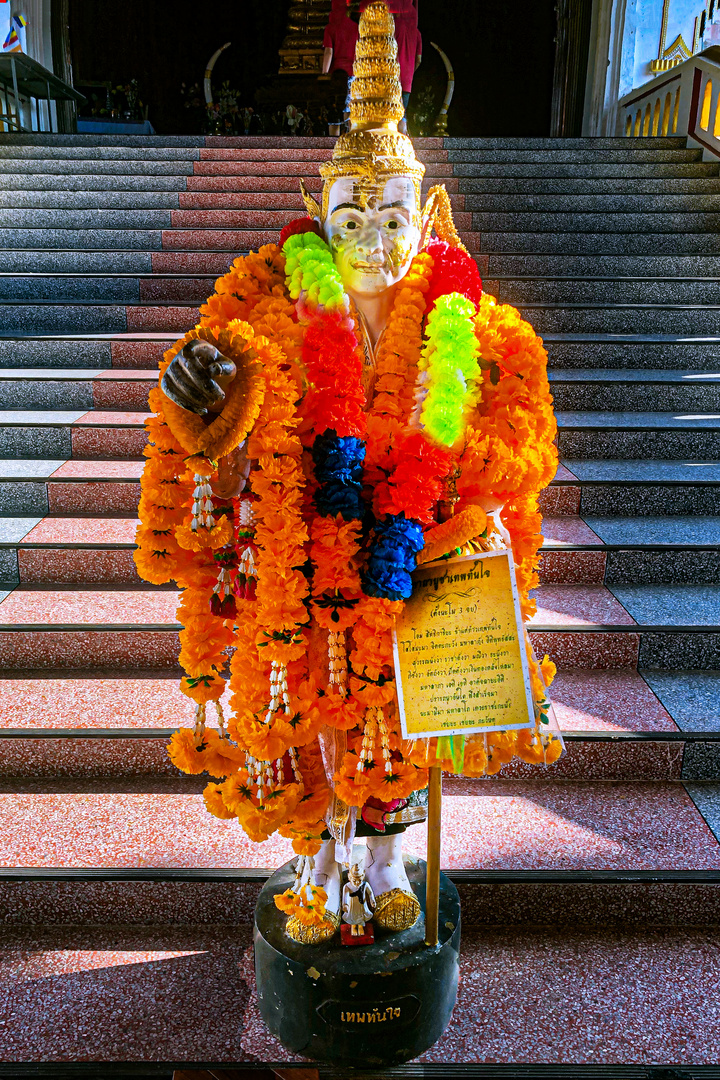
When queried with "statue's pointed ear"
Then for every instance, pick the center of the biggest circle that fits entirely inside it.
(428, 217)
(311, 205)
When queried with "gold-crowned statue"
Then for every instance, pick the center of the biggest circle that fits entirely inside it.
(350, 405)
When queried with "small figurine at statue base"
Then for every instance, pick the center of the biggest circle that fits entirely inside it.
(378, 1006)
(358, 904)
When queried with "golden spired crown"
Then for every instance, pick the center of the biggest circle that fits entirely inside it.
(373, 147)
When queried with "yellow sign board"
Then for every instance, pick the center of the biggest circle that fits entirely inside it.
(460, 659)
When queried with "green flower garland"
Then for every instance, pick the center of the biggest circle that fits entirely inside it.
(310, 269)
(450, 358)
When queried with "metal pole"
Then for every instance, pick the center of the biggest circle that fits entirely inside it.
(47, 84)
(16, 92)
(432, 885)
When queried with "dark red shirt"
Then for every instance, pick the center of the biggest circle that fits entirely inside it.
(341, 35)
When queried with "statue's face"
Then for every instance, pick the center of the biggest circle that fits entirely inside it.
(373, 231)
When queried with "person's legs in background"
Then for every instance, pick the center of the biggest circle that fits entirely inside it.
(402, 126)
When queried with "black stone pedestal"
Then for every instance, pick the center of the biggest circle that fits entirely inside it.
(375, 1005)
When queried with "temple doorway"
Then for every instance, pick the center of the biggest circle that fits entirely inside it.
(503, 58)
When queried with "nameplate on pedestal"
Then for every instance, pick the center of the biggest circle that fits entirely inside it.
(460, 659)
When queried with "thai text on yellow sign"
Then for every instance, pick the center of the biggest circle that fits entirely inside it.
(460, 659)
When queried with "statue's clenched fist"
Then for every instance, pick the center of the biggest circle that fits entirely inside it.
(198, 377)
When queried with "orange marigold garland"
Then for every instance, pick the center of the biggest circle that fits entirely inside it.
(271, 773)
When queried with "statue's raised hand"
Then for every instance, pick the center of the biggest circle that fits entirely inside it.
(198, 377)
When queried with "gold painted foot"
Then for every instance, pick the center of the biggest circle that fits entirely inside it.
(312, 935)
(396, 910)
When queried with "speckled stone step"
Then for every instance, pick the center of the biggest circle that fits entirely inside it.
(79, 388)
(596, 222)
(636, 488)
(560, 169)
(622, 318)
(638, 435)
(141, 972)
(613, 241)
(626, 202)
(576, 265)
(37, 487)
(58, 724)
(638, 351)
(590, 185)
(24, 288)
(597, 289)
(122, 351)
(78, 433)
(45, 317)
(629, 389)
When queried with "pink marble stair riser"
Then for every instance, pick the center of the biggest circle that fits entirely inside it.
(83, 565)
(193, 290)
(172, 319)
(506, 825)
(127, 391)
(75, 649)
(560, 501)
(127, 757)
(134, 355)
(114, 497)
(79, 566)
(568, 567)
(124, 994)
(232, 903)
(238, 240)
(44, 649)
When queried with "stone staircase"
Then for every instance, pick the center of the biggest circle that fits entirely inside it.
(591, 892)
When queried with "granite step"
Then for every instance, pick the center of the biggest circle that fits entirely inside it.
(630, 389)
(561, 169)
(114, 263)
(609, 241)
(312, 156)
(590, 974)
(619, 154)
(109, 198)
(120, 351)
(59, 724)
(591, 185)
(86, 182)
(658, 352)
(478, 142)
(93, 239)
(50, 318)
(174, 199)
(65, 433)
(626, 202)
(596, 289)
(78, 388)
(581, 267)
(108, 289)
(598, 848)
(579, 626)
(634, 488)
(91, 549)
(538, 221)
(622, 318)
(638, 435)
(106, 432)
(36, 487)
